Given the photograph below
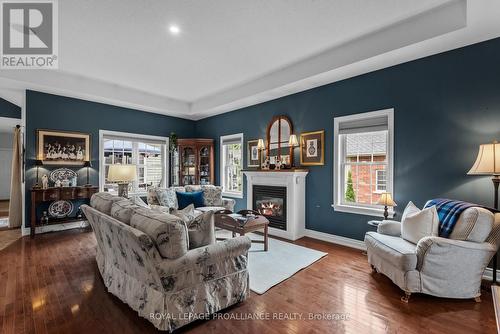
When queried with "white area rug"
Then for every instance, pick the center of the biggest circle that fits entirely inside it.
(279, 263)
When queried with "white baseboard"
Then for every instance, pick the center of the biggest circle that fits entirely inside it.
(54, 228)
(335, 239)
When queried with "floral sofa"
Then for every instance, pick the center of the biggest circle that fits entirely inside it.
(212, 196)
(144, 258)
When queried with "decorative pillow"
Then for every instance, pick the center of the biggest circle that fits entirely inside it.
(167, 197)
(168, 232)
(187, 214)
(212, 195)
(186, 198)
(123, 210)
(137, 200)
(152, 199)
(474, 224)
(416, 223)
(201, 230)
(103, 201)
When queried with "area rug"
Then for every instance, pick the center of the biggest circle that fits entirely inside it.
(279, 263)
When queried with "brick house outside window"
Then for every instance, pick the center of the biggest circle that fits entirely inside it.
(366, 156)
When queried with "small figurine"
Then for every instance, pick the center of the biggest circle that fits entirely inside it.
(45, 181)
(278, 164)
(58, 183)
(45, 219)
(265, 164)
(79, 213)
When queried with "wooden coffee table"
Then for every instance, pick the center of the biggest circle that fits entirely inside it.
(243, 222)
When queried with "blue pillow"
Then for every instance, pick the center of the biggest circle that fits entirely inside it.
(186, 198)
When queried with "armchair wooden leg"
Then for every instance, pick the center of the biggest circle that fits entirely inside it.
(406, 297)
(477, 299)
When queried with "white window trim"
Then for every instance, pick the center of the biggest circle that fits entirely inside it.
(102, 169)
(239, 136)
(337, 204)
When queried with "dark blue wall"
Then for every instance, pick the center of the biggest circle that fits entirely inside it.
(46, 111)
(445, 106)
(8, 109)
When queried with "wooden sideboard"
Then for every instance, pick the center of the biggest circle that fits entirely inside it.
(39, 196)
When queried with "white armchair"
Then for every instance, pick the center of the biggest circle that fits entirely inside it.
(444, 267)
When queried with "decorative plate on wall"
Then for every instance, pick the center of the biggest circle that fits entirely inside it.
(62, 174)
(60, 209)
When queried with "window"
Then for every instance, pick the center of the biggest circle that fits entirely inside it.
(231, 151)
(148, 153)
(363, 161)
(381, 181)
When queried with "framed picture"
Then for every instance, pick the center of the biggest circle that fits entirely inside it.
(62, 147)
(253, 154)
(312, 148)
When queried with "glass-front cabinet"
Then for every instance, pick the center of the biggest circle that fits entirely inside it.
(195, 162)
(205, 165)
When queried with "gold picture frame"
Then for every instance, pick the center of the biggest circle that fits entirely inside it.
(312, 148)
(252, 149)
(66, 148)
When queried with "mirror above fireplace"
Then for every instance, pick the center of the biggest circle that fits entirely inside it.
(279, 131)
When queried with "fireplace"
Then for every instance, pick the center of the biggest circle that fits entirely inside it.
(270, 201)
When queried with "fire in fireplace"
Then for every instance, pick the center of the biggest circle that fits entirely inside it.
(270, 207)
(270, 201)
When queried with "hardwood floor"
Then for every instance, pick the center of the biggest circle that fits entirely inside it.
(51, 284)
(8, 236)
(4, 208)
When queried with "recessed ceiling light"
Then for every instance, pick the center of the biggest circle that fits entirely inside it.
(174, 29)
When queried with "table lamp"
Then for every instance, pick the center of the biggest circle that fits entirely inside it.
(386, 200)
(123, 175)
(38, 163)
(260, 146)
(488, 163)
(87, 164)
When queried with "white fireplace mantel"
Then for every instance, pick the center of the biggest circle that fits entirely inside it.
(295, 183)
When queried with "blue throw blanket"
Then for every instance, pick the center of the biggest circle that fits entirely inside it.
(448, 211)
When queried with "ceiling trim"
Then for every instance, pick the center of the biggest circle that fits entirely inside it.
(71, 85)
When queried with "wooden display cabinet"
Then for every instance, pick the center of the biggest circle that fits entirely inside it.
(195, 161)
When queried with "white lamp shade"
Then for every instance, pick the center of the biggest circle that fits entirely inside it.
(122, 173)
(293, 141)
(260, 144)
(386, 200)
(487, 161)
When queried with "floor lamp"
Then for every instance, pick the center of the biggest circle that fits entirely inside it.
(488, 163)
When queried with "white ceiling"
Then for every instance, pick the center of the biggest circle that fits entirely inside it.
(223, 43)
(233, 53)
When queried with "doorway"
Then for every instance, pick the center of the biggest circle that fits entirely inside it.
(9, 126)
